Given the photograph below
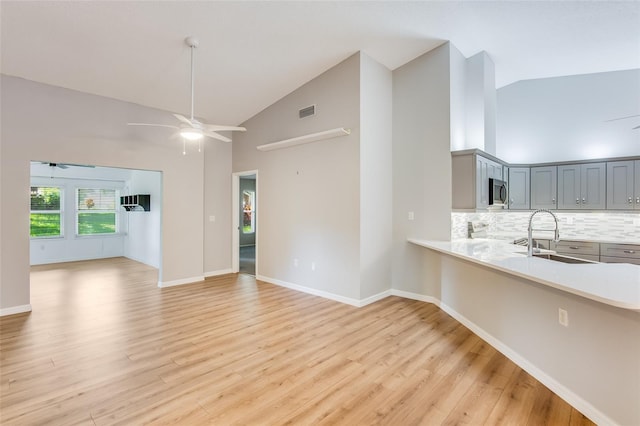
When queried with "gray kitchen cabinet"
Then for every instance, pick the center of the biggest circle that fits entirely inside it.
(544, 184)
(620, 253)
(519, 186)
(581, 249)
(582, 186)
(470, 179)
(623, 185)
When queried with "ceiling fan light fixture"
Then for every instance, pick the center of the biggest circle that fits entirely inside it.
(191, 134)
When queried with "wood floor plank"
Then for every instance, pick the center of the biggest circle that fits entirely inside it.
(105, 346)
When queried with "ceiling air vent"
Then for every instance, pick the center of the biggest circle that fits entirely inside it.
(307, 112)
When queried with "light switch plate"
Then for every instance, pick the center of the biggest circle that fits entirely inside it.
(411, 216)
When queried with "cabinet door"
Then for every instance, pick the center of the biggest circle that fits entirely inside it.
(544, 183)
(593, 185)
(637, 183)
(620, 185)
(519, 188)
(482, 183)
(569, 187)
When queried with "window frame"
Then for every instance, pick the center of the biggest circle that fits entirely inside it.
(251, 211)
(115, 211)
(59, 212)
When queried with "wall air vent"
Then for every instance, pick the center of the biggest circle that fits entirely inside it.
(307, 112)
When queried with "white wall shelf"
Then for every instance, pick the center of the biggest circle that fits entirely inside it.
(312, 137)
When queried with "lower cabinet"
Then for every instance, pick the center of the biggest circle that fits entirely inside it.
(580, 249)
(620, 253)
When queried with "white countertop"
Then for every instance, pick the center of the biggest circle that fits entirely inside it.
(616, 284)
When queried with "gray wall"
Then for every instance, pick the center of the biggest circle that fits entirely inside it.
(376, 177)
(563, 118)
(421, 164)
(60, 125)
(246, 184)
(597, 358)
(309, 202)
(217, 203)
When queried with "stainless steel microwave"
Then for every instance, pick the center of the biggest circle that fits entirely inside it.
(498, 192)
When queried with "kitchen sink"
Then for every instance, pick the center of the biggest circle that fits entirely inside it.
(561, 258)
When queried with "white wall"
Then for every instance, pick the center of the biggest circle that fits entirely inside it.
(421, 163)
(309, 202)
(142, 242)
(376, 198)
(41, 122)
(563, 118)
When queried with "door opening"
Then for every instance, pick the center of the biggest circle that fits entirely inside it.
(245, 222)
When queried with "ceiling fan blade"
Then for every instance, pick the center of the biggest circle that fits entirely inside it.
(183, 119)
(153, 125)
(622, 118)
(218, 128)
(214, 135)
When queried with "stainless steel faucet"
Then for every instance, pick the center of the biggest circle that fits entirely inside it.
(556, 235)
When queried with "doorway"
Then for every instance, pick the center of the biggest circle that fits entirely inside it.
(245, 223)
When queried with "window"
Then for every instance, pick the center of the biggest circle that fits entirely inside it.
(96, 211)
(248, 216)
(46, 214)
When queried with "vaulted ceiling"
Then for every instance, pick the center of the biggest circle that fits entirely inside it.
(253, 53)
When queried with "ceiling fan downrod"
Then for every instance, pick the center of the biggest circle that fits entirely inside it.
(192, 42)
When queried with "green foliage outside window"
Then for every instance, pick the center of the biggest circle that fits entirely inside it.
(46, 217)
(96, 211)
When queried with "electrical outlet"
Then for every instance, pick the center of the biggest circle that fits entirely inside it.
(212, 218)
(411, 216)
(569, 220)
(563, 317)
(295, 262)
(313, 266)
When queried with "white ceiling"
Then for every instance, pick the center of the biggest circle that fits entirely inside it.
(253, 53)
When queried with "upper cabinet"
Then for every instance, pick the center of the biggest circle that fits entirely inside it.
(519, 184)
(544, 183)
(582, 186)
(623, 185)
(470, 179)
(588, 185)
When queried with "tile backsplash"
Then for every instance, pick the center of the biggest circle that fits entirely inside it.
(599, 226)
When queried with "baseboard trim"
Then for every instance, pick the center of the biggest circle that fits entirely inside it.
(414, 296)
(218, 272)
(20, 309)
(312, 291)
(191, 280)
(563, 392)
(372, 299)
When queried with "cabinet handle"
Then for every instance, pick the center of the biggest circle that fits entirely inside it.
(638, 200)
(584, 201)
(630, 200)
(553, 200)
(574, 247)
(577, 200)
(630, 251)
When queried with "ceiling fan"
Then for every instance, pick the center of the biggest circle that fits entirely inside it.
(190, 128)
(64, 165)
(624, 118)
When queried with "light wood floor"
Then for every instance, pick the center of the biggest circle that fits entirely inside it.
(104, 345)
